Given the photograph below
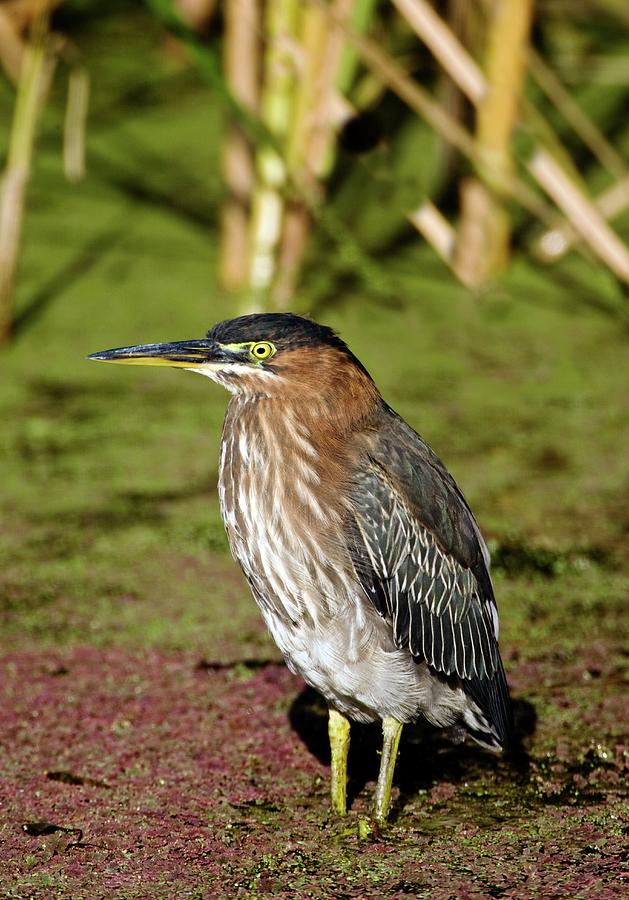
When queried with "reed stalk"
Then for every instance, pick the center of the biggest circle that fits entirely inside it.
(320, 145)
(295, 227)
(276, 110)
(497, 115)
(33, 81)
(360, 17)
(11, 47)
(581, 212)
(241, 65)
(556, 242)
(444, 46)
(433, 225)
(465, 24)
(310, 150)
(75, 124)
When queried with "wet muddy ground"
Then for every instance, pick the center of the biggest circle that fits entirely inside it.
(172, 775)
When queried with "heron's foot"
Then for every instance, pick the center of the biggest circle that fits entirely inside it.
(391, 731)
(338, 731)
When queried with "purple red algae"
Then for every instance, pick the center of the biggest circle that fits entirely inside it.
(188, 780)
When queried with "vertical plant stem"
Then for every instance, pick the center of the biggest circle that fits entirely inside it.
(360, 17)
(300, 156)
(242, 74)
(280, 64)
(74, 124)
(470, 248)
(320, 147)
(31, 85)
(507, 38)
(11, 47)
(295, 232)
(463, 21)
(311, 145)
(312, 37)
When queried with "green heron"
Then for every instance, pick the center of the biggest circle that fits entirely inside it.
(364, 558)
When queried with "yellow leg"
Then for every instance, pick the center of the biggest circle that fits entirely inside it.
(391, 731)
(338, 730)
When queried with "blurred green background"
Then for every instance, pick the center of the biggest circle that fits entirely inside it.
(520, 386)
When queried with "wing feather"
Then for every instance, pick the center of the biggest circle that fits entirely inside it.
(420, 558)
(415, 574)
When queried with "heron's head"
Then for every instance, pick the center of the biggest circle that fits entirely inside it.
(269, 354)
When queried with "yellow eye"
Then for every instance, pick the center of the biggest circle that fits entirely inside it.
(262, 350)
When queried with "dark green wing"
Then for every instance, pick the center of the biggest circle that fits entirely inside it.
(421, 560)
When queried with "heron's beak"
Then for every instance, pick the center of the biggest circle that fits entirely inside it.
(180, 354)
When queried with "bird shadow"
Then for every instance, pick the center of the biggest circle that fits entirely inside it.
(427, 755)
